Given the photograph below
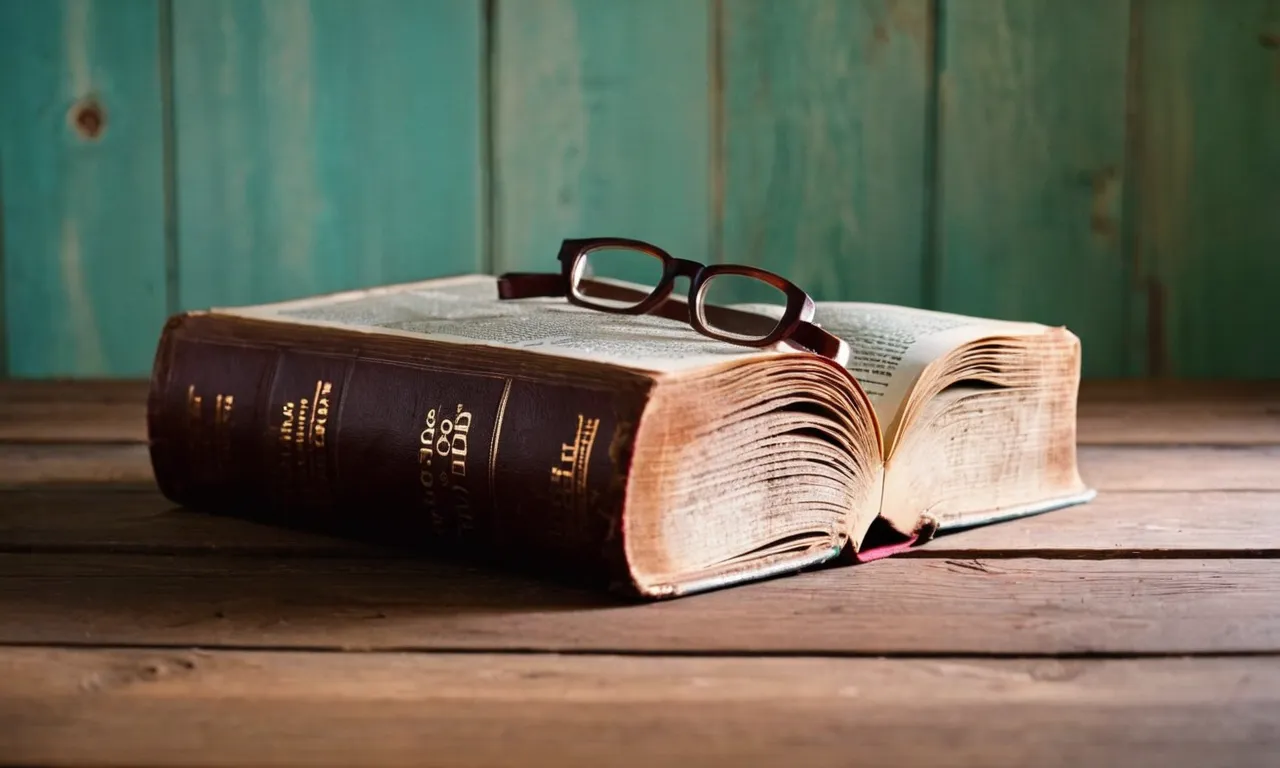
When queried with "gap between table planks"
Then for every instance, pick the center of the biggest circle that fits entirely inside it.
(290, 708)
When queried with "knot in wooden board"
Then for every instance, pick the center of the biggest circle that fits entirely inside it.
(88, 118)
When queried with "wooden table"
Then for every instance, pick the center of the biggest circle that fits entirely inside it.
(1141, 629)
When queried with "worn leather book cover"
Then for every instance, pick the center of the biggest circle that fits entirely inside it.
(625, 452)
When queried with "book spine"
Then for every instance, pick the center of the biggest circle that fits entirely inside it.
(440, 453)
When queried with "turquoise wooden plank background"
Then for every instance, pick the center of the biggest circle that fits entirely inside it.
(1111, 165)
(83, 214)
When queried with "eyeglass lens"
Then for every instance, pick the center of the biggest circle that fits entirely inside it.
(768, 304)
(641, 269)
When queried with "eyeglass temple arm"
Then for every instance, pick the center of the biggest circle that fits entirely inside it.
(826, 344)
(528, 285)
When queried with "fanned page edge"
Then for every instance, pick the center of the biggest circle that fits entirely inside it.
(1081, 493)
(860, 518)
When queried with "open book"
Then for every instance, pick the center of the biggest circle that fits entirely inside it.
(627, 447)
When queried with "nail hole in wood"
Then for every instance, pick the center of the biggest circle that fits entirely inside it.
(88, 118)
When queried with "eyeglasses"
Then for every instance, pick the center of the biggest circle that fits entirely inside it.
(632, 277)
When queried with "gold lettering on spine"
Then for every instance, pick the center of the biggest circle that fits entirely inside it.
(426, 478)
(444, 451)
(451, 447)
(319, 420)
(458, 470)
(222, 410)
(303, 432)
(320, 416)
(286, 423)
(211, 440)
(223, 405)
(195, 420)
(569, 477)
(193, 403)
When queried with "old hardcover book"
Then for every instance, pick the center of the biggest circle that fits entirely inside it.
(627, 451)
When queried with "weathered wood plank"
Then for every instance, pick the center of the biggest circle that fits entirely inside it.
(325, 145)
(112, 464)
(1031, 159)
(1205, 230)
(17, 391)
(602, 126)
(83, 206)
(1187, 468)
(826, 144)
(73, 410)
(895, 606)
(1241, 423)
(64, 422)
(1176, 390)
(182, 707)
(1179, 412)
(1140, 524)
(1116, 524)
(143, 521)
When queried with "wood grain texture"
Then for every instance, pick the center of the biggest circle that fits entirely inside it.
(73, 410)
(826, 143)
(82, 201)
(24, 464)
(73, 422)
(1207, 233)
(1179, 412)
(325, 145)
(1137, 524)
(1242, 423)
(137, 520)
(1016, 606)
(1192, 468)
(1116, 524)
(601, 126)
(188, 707)
(1031, 160)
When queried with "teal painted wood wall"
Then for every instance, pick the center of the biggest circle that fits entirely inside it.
(1111, 165)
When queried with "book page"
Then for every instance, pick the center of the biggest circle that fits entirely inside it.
(890, 345)
(467, 310)
(981, 455)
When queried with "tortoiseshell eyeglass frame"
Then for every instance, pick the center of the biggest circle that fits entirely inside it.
(795, 329)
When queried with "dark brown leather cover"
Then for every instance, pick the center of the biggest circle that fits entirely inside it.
(497, 454)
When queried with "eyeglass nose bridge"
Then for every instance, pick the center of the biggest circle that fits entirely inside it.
(687, 268)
